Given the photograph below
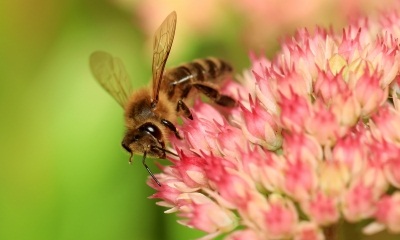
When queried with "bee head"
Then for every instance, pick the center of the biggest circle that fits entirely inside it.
(147, 138)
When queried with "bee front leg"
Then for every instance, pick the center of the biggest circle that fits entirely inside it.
(182, 107)
(214, 95)
(171, 127)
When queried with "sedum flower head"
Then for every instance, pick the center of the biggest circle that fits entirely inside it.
(314, 141)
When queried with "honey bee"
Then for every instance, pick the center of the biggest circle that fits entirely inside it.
(150, 113)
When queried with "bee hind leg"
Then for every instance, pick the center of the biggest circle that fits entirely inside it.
(214, 95)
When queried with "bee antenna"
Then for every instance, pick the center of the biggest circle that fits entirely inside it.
(154, 102)
(130, 158)
(148, 169)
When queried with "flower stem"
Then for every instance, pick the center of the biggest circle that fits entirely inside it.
(330, 232)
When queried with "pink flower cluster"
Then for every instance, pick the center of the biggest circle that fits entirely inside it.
(315, 140)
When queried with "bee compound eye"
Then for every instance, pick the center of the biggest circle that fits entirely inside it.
(152, 129)
(148, 127)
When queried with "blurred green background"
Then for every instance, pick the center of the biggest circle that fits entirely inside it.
(63, 174)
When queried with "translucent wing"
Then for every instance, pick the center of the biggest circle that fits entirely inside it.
(162, 46)
(111, 74)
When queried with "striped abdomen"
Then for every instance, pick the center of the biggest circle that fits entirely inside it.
(178, 81)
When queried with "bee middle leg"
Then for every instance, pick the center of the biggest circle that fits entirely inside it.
(214, 95)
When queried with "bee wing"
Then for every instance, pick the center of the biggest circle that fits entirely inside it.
(111, 74)
(162, 46)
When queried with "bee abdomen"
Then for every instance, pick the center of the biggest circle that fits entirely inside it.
(178, 80)
(208, 69)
